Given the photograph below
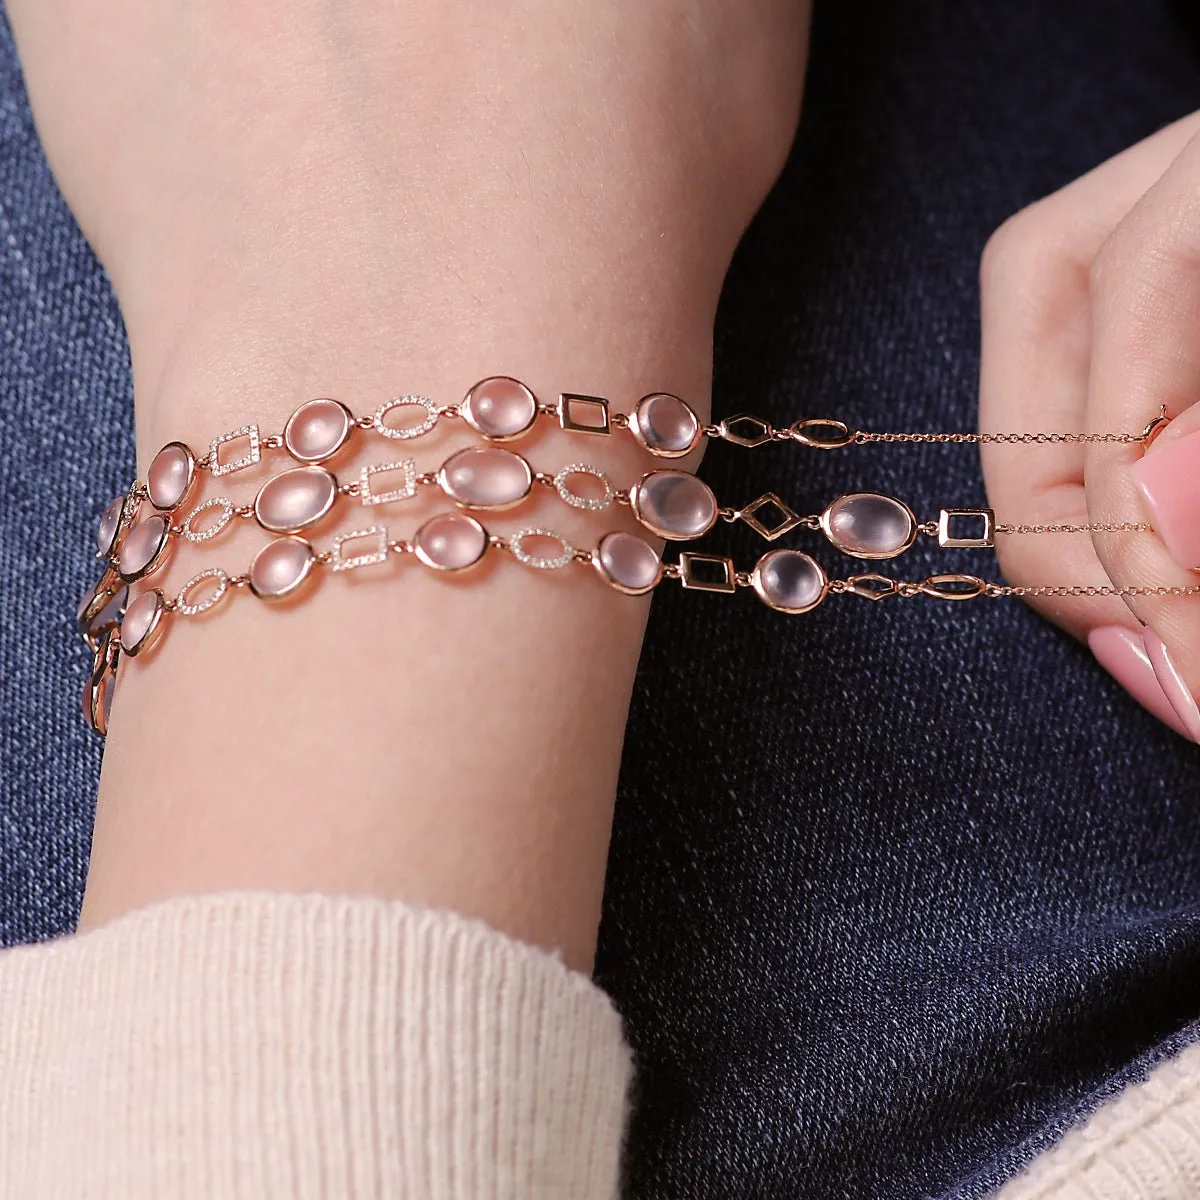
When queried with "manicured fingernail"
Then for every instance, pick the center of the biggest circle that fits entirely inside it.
(1171, 682)
(1121, 652)
(1168, 477)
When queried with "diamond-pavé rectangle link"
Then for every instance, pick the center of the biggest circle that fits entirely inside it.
(338, 561)
(406, 491)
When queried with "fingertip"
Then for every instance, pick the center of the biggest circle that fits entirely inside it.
(1172, 683)
(1167, 479)
(1124, 654)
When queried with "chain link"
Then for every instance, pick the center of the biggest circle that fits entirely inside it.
(997, 591)
(1086, 527)
(863, 437)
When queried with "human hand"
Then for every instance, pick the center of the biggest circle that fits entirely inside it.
(1091, 303)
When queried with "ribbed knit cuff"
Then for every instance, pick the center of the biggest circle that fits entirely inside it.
(304, 1046)
(1143, 1145)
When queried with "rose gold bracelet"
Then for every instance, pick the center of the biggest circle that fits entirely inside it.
(669, 503)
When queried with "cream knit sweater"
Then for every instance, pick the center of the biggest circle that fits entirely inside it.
(306, 1046)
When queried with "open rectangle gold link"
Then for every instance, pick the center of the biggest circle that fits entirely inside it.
(688, 563)
(568, 403)
(985, 538)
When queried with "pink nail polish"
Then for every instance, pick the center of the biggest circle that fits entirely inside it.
(1122, 653)
(1168, 478)
(1171, 682)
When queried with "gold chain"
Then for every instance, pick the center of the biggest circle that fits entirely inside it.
(1087, 527)
(862, 437)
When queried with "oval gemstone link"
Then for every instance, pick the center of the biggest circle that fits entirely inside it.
(143, 623)
(500, 408)
(627, 563)
(317, 430)
(145, 548)
(450, 542)
(171, 476)
(789, 581)
(486, 477)
(868, 525)
(665, 425)
(295, 499)
(674, 505)
(109, 527)
(280, 568)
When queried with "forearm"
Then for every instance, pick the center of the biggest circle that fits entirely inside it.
(424, 197)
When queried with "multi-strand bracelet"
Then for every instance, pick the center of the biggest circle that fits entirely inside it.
(139, 532)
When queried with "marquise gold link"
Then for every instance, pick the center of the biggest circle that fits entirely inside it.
(953, 587)
(870, 586)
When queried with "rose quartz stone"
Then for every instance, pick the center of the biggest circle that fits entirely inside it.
(450, 542)
(109, 523)
(145, 542)
(295, 499)
(317, 430)
(867, 525)
(789, 581)
(108, 614)
(628, 563)
(170, 476)
(665, 425)
(500, 408)
(486, 477)
(674, 505)
(280, 567)
(140, 618)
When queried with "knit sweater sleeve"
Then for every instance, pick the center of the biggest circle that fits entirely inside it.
(309, 1047)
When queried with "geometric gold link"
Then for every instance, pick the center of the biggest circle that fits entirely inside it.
(786, 521)
(707, 573)
(744, 429)
(984, 538)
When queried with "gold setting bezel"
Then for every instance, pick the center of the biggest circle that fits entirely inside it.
(443, 479)
(624, 589)
(756, 582)
(423, 557)
(635, 496)
(154, 630)
(326, 508)
(347, 432)
(826, 517)
(101, 678)
(464, 410)
(636, 430)
(160, 557)
(307, 576)
(189, 487)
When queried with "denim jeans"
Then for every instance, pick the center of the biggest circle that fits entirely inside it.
(897, 891)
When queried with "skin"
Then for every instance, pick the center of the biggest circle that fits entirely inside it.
(1091, 299)
(359, 198)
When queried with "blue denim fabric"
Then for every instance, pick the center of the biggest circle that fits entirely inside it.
(897, 891)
